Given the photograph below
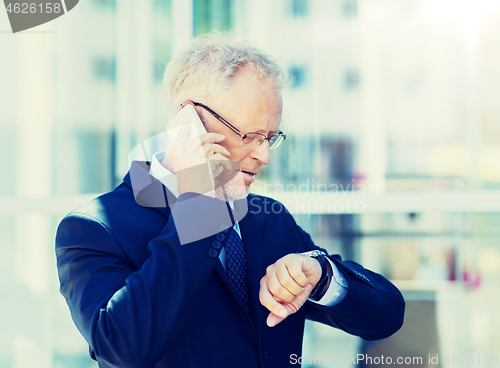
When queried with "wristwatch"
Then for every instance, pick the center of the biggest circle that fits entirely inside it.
(323, 281)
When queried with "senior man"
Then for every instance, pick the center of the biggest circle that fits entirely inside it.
(237, 297)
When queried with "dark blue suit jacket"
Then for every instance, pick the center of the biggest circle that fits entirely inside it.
(141, 299)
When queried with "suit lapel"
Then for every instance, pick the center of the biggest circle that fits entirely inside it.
(148, 191)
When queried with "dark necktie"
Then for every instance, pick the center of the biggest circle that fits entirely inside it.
(237, 266)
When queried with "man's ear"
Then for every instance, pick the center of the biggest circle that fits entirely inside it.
(188, 102)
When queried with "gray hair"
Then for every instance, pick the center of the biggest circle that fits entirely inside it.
(208, 65)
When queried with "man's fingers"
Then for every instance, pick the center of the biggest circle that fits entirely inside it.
(268, 301)
(273, 319)
(301, 268)
(297, 275)
(218, 170)
(289, 283)
(284, 288)
(207, 148)
(278, 300)
(277, 289)
(213, 148)
(197, 142)
(211, 138)
(312, 270)
(217, 160)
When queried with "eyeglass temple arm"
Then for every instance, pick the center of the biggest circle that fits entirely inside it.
(220, 118)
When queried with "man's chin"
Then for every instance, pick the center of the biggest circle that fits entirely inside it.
(231, 189)
(230, 192)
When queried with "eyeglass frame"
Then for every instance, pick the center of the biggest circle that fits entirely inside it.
(236, 130)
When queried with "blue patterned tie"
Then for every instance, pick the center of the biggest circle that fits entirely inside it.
(237, 266)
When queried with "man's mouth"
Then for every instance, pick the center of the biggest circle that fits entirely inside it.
(249, 173)
(249, 176)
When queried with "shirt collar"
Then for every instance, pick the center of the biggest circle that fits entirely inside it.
(165, 176)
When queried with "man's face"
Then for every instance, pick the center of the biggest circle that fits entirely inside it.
(251, 105)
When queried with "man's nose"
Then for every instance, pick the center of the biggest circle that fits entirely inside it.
(262, 154)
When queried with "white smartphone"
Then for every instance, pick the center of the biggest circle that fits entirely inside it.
(188, 115)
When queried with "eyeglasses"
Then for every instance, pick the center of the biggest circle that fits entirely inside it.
(249, 140)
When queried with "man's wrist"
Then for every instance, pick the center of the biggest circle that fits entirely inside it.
(322, 284)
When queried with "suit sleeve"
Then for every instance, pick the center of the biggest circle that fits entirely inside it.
(129, 316)
(372, 308)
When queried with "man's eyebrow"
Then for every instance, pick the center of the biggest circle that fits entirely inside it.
(263, 131)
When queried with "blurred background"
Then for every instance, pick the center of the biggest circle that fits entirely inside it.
(395, 105)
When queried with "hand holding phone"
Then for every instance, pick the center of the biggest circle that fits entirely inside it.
(193, 154)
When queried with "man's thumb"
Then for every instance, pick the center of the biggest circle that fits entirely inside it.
(273, 319)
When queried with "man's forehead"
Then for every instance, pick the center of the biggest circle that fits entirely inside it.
(258, 123)
(273, 128)
(251, 103)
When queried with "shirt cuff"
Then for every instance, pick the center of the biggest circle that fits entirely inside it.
(336, 290)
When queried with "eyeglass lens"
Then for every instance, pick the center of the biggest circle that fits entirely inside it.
(256, 139)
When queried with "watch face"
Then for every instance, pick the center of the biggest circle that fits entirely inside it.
(314, 253)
